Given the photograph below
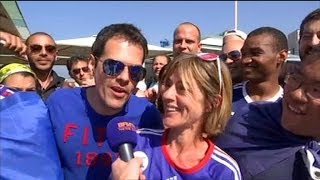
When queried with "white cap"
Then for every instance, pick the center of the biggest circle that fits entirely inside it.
(236, 32)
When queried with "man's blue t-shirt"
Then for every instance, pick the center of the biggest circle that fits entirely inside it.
(81, 132)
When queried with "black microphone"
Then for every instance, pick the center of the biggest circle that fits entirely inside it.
(122, 137)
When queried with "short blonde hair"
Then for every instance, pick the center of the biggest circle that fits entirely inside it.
(205, 74)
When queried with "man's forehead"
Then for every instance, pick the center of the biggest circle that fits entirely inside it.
(41, 38)
(257, 45)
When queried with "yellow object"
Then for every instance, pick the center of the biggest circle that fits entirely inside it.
(13, 68)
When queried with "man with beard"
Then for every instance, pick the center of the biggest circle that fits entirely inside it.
(42, 54)
(309, 33)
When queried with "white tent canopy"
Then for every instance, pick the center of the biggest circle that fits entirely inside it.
(70, 47)
(211, 44)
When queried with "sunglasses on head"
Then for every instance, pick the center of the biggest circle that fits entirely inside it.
(113, 68)
(213, 57)
(234, 55)
(78, 70)
(36, 48)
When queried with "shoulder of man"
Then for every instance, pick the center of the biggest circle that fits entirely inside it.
(64, 95)
(150, 115)
(58, 79)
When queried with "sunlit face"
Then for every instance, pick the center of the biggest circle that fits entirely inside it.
(158, 63)
(310, 38)
(301, 112)
(115, 91)
(186, 39)
(232, 43)
(259, 59)
(41, 52)
(182, 108)
(80, 71)
(21, 83)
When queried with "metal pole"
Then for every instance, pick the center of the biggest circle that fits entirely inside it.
(235, 14)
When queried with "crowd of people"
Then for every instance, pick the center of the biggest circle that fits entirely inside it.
(203, 115)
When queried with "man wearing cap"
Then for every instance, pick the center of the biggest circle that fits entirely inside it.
(231, 53)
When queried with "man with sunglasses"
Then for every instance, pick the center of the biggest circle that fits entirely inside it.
(80, 115)
(232, 43)
(42, 54)
(79, 70)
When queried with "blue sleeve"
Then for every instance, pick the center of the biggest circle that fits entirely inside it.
(28, 148)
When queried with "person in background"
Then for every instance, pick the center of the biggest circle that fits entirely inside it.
(80, 115)
(196, 91)
(309, 33)
(231, 53)
(18, 77)
(42, 54)
(186, 38)
(13, 42)
(79, 70)
(263, 54)
(158, 63)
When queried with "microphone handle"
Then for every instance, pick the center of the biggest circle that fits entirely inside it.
(126, 152)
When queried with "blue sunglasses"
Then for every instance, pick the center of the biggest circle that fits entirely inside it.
(113, 68)
(234, 55)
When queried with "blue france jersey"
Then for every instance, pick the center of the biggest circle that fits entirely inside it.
(255, 138)
(80, 132)
(241, 104)
(215, 165)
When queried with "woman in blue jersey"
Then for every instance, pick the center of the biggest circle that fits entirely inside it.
(196, 95)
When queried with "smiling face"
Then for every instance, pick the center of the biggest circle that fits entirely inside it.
(260, 61)
(310, 38)
(183, 104)
(41, 52)
(232, 43)
(114, 92)
(186, 40)
(301, 105)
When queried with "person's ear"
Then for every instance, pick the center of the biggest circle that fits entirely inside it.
(93, 61)
(282, 56)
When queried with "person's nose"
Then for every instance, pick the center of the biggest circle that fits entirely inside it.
(299, 95)
(168, 94)
(124, 76)
(315, 40)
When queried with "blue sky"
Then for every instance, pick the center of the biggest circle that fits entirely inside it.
(157, 19)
